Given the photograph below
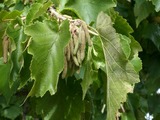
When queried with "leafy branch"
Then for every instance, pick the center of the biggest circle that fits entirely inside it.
(69, 58)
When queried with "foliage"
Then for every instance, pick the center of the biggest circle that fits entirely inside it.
(35, 36)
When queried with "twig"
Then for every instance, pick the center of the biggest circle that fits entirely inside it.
(56, 14)
(53, 12)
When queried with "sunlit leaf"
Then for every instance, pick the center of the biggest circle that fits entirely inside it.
(98, 56)
(43, 9)
(47, 48)
(11, 15)
(36, 10)
(125, 44)
(91, 8)
(157, 5)
(137, 63)
(127, 116)
(120, 72)
(2, 14)
(32, 12)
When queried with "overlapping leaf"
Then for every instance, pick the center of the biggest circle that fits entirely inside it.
(17, 37)
(91, 7)
(98, 56)
(47, 48)
(36, 10)
(121, 74)
(131, 48)
(121, 25)
(142, 6)
(152, 32)
(89, 76)
(157, 5)
(4, 18)
(11, 15)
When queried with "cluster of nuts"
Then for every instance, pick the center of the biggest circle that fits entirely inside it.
(75, 50)
(6, 48)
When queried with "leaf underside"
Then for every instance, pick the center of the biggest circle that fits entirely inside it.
(120, 72)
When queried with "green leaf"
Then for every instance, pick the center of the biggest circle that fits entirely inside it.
(47, 48)
(32, 12)
(3, 26)
(125, 44)
(2, 14)
(43, 9)
(152, 32)
(11, 15)
(4, 79)
(131, 48)
(91, 8)
(89, 75)
(36, 10)
(157, 4)
(17, 37)
(25, 72)
(98, 56)
(12, 112)
(120, 72)
(142, 10)
(66, 104)
(151, 72)
(95, 59)
(61, 4)
(122, 26)
(127, 116)
(135, 46)
(137, 63)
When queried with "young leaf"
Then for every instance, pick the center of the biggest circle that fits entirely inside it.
(120, 72)
(47, 48)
